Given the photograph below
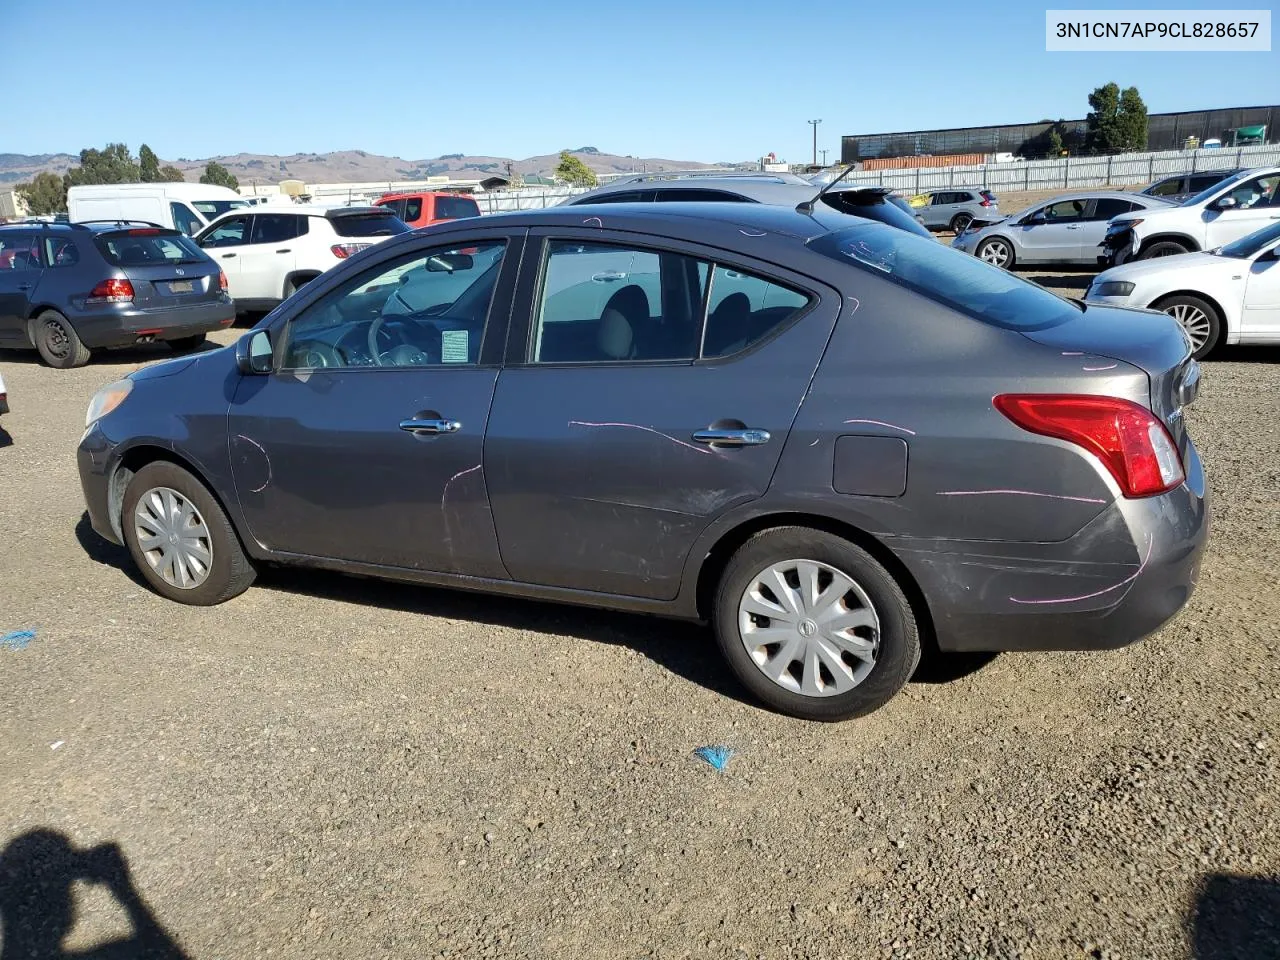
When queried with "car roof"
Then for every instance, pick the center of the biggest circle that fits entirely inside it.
(302, 210)
(410, 194)
(766, 188)
(1098, 195)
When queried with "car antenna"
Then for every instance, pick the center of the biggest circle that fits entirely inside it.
(807, 206)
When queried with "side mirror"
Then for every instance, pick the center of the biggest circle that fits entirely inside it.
(1226, 203)
(254, 353)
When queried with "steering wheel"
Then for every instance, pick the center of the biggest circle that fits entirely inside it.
(403, 354)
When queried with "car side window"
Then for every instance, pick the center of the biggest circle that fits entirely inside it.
(1064, 211)
(412, 210)
(184, 219)
(395, 206)
(274, 227)
(625, 196)
(1258, 192)
(1203, 182)
(744, 309)
(20, 251)
(421, 309)
(60, 252)
(1170, 188)
(607, 303)
(1107, 207)
(229, 233)
(698, 196)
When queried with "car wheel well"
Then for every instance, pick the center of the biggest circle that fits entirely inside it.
(718, 557)
(1180, 239)
(297, 280)
(1222, 317)
(134, 460)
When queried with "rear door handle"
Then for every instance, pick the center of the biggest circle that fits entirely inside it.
(285, 250)
(430, 426)
(1073, 226)
(227, 256)
(747, 437)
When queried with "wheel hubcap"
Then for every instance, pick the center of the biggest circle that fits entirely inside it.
(1194, 320)
(809, 628)
(995, 254)
(173, 538)
(55, 338)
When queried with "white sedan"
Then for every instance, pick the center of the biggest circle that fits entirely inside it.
(1227, 295)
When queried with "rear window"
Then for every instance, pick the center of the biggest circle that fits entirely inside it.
(947, 276)
(456, 208)
(874, 206)
(988, 195)
(368, 225)
(138, 248)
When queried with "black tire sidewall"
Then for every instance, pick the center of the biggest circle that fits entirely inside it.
(1171, 250)
(77, 352)
(1215, 320)
(963, 219)
(229, 561)
(899, 651)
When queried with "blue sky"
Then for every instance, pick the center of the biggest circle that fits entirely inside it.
(680, 80)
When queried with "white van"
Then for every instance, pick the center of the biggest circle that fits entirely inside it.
(188, 207)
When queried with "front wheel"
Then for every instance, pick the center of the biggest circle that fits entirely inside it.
(1165, 248)
(997, 251)
(814, 626)
(1199, 318)
(180, 537)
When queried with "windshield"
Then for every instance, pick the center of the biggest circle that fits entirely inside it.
(1208, 192)
(1248, 247)
(369, 225)
(955, 279)
(216, 208)
(144, 248)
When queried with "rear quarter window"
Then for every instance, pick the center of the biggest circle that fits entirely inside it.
(954, 279)
(368, 225)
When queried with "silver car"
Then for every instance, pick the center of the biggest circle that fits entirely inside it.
(956, 208)
(1066, 229)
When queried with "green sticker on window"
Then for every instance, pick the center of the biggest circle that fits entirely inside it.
(453, 346)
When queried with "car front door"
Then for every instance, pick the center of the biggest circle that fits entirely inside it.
(600, 452)
(935, 212)
(364, 444)
(1052, 233)
(1261, 317)
(1256, 204)
(224, 242)
(20, 270)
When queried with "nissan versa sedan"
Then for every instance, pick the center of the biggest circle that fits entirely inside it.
(834, 445)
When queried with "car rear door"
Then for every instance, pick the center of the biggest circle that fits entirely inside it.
(364, 445)
(600, 464)
(20, 270)
(1094, 225)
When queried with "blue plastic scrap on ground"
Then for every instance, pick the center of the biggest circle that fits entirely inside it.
(17, 639)
(718, 757)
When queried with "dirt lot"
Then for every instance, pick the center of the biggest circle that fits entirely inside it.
(326, 767)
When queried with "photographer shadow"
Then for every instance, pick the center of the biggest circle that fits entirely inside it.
(37, 904)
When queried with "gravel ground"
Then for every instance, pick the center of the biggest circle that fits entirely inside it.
(327, 767)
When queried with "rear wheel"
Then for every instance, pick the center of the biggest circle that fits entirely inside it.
(814, 626)
(56, 339)
(1165, 248)
(960, 222)
(997, 251)
(180, 537)
(1198, 317)
(187, 344)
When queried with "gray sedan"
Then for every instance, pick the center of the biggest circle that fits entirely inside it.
(1066, 229)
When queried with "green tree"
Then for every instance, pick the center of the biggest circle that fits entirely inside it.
(1117, 122)
(573, 171)
(219, 175)
(114, 164)
(170, 174)
(44, 195)
(1055, 142)
(148, 165)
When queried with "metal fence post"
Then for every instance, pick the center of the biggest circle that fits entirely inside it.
(1194, 155)
(1239, 156)
(1108, 171)
(1151, 166)
(1026, 177)
(1066, 173)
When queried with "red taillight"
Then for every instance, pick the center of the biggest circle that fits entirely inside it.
(112, 291)
(344, 250)
(222, 280)
(1128, 438)
(149, 232)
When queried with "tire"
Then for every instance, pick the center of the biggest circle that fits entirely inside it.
(1198, 317)
(57, 341)
(187, 344)
(996, 251)
(960, 222)
(228, 573)
(892, 639)
(1163, 248)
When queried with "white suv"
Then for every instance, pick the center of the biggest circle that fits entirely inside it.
(1225, 212)
(268, 252)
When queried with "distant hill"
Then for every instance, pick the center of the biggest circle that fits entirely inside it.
(355, 166)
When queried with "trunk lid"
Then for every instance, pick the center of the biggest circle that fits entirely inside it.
(1152, 341)
(173, 285)
(164, 266)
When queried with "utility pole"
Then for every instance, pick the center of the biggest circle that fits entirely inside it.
(824, 158)
(814, 124)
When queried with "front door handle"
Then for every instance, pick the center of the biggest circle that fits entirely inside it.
(746, 437)
(24, 286)
(1072, 226)
(285, 250)
(430, 426)
(227, 256)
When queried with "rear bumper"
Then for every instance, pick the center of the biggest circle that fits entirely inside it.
(121, 327)
(1118, 580)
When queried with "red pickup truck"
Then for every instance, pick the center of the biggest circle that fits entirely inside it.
(424, 209)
